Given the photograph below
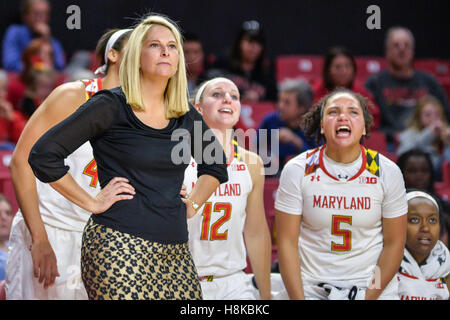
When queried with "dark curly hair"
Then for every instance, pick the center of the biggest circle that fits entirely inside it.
(311, 121)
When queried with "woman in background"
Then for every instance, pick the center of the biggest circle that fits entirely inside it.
(339, 71)
(247, 65)
(429, 131)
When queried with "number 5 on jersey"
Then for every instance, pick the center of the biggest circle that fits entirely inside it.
(211, 232)
(337, 231)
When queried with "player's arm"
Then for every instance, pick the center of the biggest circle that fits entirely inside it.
(288, 231)
(63, 101)
(256, 232)
(394, 238)
(204, 187)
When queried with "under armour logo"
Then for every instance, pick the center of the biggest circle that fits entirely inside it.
(315, 177)
(342, 177)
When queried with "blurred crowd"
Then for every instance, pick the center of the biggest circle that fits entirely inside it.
(410, 106)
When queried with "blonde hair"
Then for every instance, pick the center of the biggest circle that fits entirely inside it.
(415, 119)
(175, 95)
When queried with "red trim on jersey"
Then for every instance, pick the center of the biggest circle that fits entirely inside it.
(413, 277)
(361, 170)
(312, 152)
(100, 83)
(407, 275)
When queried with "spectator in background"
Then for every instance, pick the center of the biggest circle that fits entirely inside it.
(38, 55)
(35, 17)
(417, 169)
(294, 100)
(247, 65)
(12, 121)
(195, 61)
(339, 71)
(6, 217)
(429, 131)
(38, 86)
(398, 88)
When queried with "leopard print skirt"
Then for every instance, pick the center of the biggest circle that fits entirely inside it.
(120, 266)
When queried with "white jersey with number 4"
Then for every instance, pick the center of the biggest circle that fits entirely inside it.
(55, 209)
(342, 206)
(216, 237)
(64, 223)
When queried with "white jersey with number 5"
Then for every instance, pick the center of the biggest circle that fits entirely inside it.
(216, 237)
(342, 206)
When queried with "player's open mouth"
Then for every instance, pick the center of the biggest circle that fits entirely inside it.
(343, 131)
(425, 241)
(226, 110)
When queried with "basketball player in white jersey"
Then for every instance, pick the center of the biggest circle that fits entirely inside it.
(45, 241)
(234, 212)
(424, 273)
(340, 209)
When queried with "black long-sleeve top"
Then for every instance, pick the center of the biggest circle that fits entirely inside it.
(149, 158)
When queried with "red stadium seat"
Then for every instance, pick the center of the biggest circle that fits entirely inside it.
(299, 66)
(367, 66)
(253, 113)
(443, 192)
(377, 142)
(2, 290)
(251, 117)
(446, 173)
(440, 68)
(15, 89)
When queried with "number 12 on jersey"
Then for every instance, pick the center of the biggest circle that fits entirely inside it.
(211, 232)
(337, 231)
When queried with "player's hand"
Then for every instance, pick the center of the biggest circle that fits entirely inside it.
(190, 211)
(287, 136)
(445, 135)
(44, 262)
(42, 29)
(183, 192)
(437, 127)
(117, 189)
